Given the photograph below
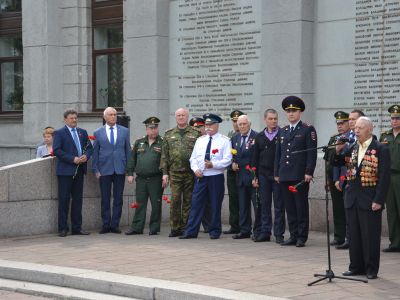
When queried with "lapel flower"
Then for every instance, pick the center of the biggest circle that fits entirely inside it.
(214, 151)
(234, 151)
(342, 178)
(92, 137)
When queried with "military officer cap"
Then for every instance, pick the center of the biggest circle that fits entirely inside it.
(196, 122)
(236, 114)
(341, 116)
(293, 102)
(211, 119)
(394, 111)
(151, 122)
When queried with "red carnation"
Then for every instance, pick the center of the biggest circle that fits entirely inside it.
(292, 189)
(164, 198)
(248, 168)
(214, 151)
(92, 137)
(134, 205)
(342, 178)
(168, 201)
(253, 168)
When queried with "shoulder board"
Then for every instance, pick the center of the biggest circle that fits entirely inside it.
(225, 137)
(386, 132)
(285, 127)
(335, 135)
(169, 130)
(305, 124)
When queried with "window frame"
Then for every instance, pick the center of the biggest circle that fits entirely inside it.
(104, 13)
(10, 25)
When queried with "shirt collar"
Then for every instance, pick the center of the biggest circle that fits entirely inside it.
(365, 144)
(294, 125)
(108, 126)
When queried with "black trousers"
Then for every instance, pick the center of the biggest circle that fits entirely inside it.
(365, 235)
(296, 206)
(69, 187)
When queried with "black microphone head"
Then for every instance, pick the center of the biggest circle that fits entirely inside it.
(342, 139)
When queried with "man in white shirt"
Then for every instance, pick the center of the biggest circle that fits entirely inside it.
(210, 157)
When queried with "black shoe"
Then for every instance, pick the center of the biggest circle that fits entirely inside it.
(153, 233)
(289, 242)
(336, 243)
(104, 230)
(391, 249)
(300, 244)
(214, 237)
(80, 232)
(279, 239)
(132, 232)
(351, 273)
(186, 237)
(231, 231)
(241, 236)
(372, 276)
(175, 233)
(343, 246)
(115, 230)
(62, 233)
(262, 238)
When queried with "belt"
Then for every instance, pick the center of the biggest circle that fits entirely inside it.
(149, 176)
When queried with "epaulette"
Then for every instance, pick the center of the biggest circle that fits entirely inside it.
(286, 127)
(335, 135)
(305, 124)
(225, 137)
(168, 130)
(387, 132)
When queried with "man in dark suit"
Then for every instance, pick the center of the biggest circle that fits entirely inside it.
(296, 168)
(368, 179)
(269, 189)
(243, 143)
(112, 148)
(72, 148)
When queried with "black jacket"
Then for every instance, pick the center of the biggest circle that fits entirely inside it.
(264, 154)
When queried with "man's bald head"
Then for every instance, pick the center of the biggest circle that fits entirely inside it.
(110, 116)
(243, 123)
(182, 117)
(363, 129)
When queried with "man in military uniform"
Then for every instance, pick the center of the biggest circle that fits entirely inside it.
(231, 183)
(392, 139)
(335, 185)
(198, 123)
(292, 169)
(176, 150)
(145, 162)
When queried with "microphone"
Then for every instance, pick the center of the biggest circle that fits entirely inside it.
(342, 139)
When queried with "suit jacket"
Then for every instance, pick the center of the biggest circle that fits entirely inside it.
(65, 150)
(107, 158)
(293, 167)
(244, 158)
(362, 188)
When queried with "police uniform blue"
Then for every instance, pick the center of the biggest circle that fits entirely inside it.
(291, 169)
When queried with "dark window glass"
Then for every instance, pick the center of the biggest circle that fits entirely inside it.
(10, 5)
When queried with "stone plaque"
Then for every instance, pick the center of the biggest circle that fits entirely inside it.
(215, 49)
(377, 55)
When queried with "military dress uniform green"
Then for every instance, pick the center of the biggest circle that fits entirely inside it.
(339, 214)
(145, 162)
(393, 198)
(176, 150)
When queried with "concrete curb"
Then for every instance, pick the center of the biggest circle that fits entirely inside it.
(117, 284)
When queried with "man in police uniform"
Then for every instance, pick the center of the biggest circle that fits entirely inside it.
(145, 162)
(210, 157)
(177, 147)
(198, 123)
(335, 184)
(392, 139)
(291, 169)
(231, 183)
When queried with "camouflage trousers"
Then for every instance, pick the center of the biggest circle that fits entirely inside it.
(181, 198)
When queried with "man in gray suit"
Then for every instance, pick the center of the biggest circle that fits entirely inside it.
(111, 151)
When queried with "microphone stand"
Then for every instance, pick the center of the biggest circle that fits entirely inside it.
(328, 273)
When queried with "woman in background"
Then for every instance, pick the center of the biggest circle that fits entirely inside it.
(47, 148)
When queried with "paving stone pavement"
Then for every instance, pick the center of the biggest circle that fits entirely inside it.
(242, 265)
(9, 295)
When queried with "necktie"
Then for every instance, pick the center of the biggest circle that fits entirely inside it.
(76, 141)
(112, 136)
(243, 142)
(291, 129)
(208, 150)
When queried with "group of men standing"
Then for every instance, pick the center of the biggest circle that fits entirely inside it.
(271, 167)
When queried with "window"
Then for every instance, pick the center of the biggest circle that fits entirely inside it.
(11, 68)
(107, 54)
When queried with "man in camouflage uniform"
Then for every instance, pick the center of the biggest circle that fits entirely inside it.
(231, 183)
(177, 148)
(145, 162)
(335, 186)
(392, 139)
